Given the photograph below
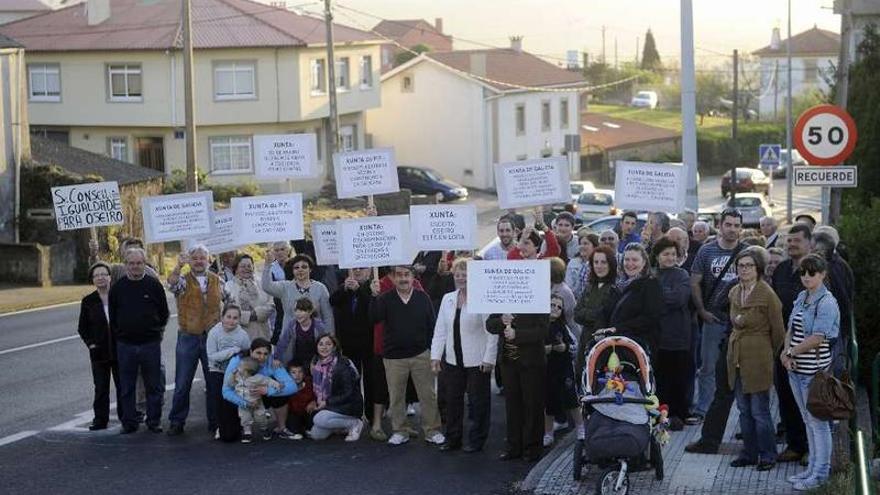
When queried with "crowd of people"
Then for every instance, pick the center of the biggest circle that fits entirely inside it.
(726, 314)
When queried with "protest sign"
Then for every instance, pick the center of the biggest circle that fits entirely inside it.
(532, 183)
(174, 217)
(324, 236)
(521, 286)
(643, 186)
(87, 205)
(362, 173)
(374, 241)
(283, 156)
(439, 227)
(268, 218)
(221, 239)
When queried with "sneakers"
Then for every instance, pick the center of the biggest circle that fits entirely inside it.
(810, 483)
(548, 439)
(298, 436)
(398, 439)
(246, 438)
(354, 434)
(217, 434)
(693, 419)
(800, 476)
(378, 435)
(285, 434)
(436, 439)
(411, 410)
(267, 435)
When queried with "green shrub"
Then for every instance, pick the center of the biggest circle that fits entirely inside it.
(222, 192)
(717, 152)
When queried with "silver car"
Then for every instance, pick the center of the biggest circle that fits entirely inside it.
(753, 206)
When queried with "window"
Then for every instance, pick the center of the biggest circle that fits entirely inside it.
(563, 113)
(235, 81)
(407, 84)
(44, 82)
(811, 71)
(318, 83)
(366, 71)
(342, 79)
(125, 82)
(520, 119)
(348, 138)
(118, 146)
(386, 56)
(230, 154)
(545, 115)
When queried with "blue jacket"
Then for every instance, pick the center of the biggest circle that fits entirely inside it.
(280, 375)
(823, 319)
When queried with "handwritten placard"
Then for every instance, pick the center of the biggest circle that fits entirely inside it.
(644, 186)
(374, 241)
(174, 217)
(268, 218)
(443, 227)
(82, 206)
(283, 156)
(324, 236)
(533, 183)
(521, 286)
(361, 173)
(222, 239)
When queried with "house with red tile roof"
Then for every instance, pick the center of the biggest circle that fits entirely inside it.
(107, 76)
(410, 33)
(463, 111)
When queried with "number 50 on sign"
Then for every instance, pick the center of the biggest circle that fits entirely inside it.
(825, 135)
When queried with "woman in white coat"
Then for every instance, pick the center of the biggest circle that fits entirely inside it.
(464, 352)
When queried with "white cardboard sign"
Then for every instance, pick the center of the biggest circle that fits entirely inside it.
(174, 217)
(644, 186)
(268, 218)
(374, 241)
(532, 183)
(222, 239)
(324, 236)
(283, 156)
(87, 205)
(361, 173)
(443, 227)
(518, 286)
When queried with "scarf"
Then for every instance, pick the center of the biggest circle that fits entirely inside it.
(322, 377)
(248, 294)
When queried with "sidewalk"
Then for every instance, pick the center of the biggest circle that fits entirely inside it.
(17, 298)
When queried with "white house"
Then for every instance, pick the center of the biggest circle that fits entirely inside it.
(460, 112)
(814, 54)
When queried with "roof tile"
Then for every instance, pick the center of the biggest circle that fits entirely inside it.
(813, 41)
(505, 65)
(82, 162)
(622, 133)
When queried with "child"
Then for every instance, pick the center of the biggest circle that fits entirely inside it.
(302, 403)
(247, 383)
(225, 340)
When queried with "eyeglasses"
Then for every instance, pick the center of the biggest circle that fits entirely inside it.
(606, 239)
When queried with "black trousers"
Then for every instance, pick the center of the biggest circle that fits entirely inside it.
(795, 431)
(299, 423)
(362, 361)
(524, 404)
(716, 417)
(102, 372)
(459, 380)
(227, 412)
(673, 371)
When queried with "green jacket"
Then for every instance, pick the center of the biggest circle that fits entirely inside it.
(756, 338)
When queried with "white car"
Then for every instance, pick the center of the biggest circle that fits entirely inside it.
(579, 187)
(753, 206)
(645, 99)
(595, 204)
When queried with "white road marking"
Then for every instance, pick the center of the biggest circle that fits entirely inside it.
(41, 308)
(18, 436)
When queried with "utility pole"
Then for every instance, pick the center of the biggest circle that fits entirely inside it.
(689, 105)
(603, 45)
(733, 129)
(842, 94)
(789, 175)
(192, 178)
(775, 89)
(637, 51)
(615, 53)
(333, 117)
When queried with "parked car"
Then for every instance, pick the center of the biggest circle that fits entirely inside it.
(595, 204)
(747, 180)
(579, 187)
(753, 206)
(428, 181)
(645, 99)
(612, 221)
(781, 170)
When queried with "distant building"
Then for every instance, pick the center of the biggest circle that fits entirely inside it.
(858, 14)
(14, 10)
(410, 33)
(814, 54)
(14, 138)
(463, 111)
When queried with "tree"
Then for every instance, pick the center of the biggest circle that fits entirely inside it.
(650, 56)
(863, 103)
(405, 56)
(711, 87)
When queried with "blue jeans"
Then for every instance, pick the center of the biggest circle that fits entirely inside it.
(710, 344)
(147, 359)
(190, 350)
(818, 431)
(759, 437)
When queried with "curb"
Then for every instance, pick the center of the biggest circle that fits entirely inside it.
(536, 473)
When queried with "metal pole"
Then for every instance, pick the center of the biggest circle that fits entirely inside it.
(689, 105)
(789, 175)
(192, 179)
(842, 95)
(733, 127)
(603, 45)
(775, 90)
(333, 117)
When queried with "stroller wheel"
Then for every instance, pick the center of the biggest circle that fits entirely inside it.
(577, 462)
(607, 483)
(657, 459)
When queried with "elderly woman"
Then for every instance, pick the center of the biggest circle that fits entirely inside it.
(298, 284)
(577, 272)
(470, 353)
(758, 330)
(256, 306)
(814, 323)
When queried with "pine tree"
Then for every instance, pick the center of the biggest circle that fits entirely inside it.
(650, 56)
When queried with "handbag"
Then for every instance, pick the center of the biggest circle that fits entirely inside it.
(829, 398)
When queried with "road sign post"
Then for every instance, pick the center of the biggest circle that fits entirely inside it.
(769, 155)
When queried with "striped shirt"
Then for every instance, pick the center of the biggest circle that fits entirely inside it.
(807, 363)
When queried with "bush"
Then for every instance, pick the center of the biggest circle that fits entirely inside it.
(717, 152)
(222, 192)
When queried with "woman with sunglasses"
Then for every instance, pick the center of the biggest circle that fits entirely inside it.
(814, 324)
(299, 284)
(758, 331)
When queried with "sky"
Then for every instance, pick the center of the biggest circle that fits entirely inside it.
(552, 27)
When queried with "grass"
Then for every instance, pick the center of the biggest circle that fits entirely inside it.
(840, 483)
(669, 119)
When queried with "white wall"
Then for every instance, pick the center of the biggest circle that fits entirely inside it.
(800, 81)
(530, 144)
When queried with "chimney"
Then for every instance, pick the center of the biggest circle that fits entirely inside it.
(98, 11)
(438, 24)
(516, 43)
(774, 39)
(478, 64)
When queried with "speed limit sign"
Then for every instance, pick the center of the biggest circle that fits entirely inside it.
(825, 135)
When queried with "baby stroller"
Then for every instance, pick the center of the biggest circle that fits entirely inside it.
(617, 403)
